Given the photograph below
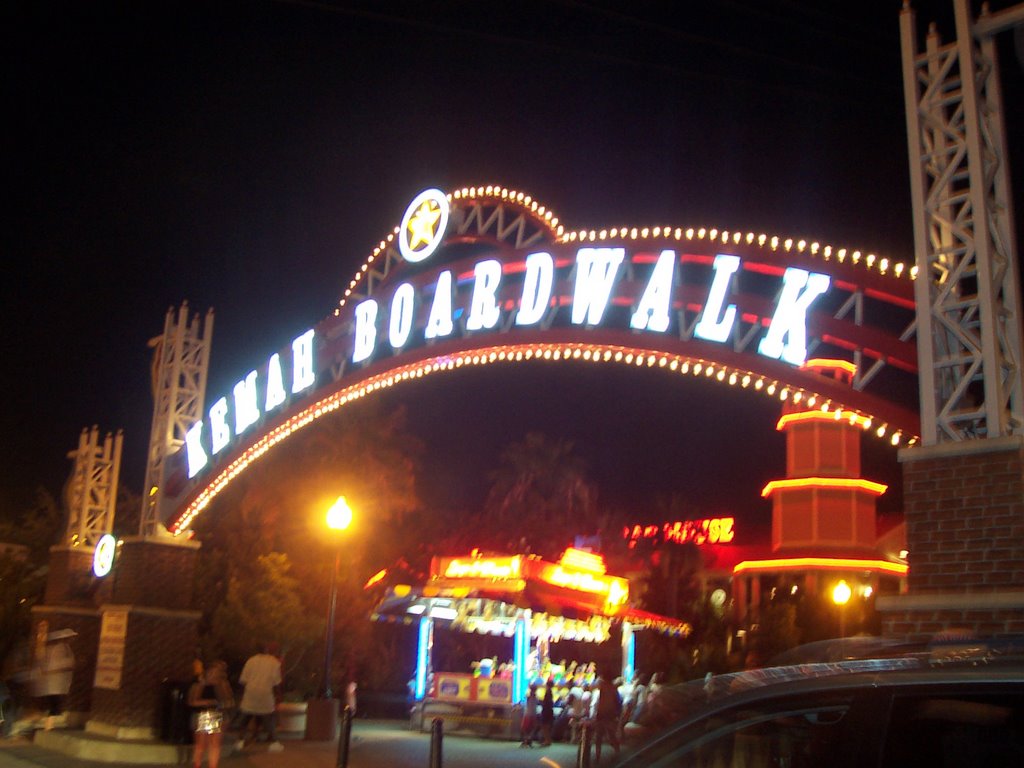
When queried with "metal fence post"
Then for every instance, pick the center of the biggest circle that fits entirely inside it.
(583, 755)
(436, 740)
(345, 738)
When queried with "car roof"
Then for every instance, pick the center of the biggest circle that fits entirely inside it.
(695, 701)
(678, 703)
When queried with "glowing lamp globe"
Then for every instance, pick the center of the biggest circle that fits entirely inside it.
(339, 516)
(841, 593)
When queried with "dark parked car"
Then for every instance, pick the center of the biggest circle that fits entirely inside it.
(887, 713)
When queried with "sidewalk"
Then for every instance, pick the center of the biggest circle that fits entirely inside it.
(374, 744)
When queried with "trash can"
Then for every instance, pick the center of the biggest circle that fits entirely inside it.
(175, 715)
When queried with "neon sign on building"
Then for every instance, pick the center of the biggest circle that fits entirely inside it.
(577, 570)
(712, 530)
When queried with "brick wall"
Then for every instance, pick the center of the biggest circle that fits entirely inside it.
(153, 580)
(154, 573)
(964, 508)
(965, 521)
(159, 647)
(923, 624)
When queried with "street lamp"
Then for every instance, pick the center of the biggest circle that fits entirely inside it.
(339, 517)
(841, 595)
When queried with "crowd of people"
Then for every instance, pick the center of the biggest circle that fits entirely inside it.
(604, 704)
(212, 703)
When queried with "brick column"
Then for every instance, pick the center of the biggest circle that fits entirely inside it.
(69, 603)
(150, 593)
(964, 508)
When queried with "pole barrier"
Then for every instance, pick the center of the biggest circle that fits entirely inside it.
(345, 738)
(436, 741)
(583, 755)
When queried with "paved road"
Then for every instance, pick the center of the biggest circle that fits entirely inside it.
(375, 744)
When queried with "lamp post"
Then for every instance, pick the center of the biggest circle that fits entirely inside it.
(339, 517)
(841, 594)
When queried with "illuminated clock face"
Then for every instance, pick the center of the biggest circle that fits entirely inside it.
(718, 598)
(423, 225)
(103, 558)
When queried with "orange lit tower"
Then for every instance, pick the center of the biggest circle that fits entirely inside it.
(823, 504)
(823, 512)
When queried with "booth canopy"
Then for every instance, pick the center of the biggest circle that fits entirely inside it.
(573, 599)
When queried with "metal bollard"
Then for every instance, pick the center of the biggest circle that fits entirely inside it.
(345, 737)
(583, 755)
(436, 740)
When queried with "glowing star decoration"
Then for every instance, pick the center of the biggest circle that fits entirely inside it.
(787, 335)
(423, 225)
(365, 336)
(275, 383)
(484, 311)
(303, 372)
(194, 451)
(247, 410)
(439, 321)
(220, 432)
(537, 283)
(652, 314)
(103, 556)
(403, 304)
(596, 269)
(716, 325)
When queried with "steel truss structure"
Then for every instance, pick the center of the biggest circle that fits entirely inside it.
(180, 364)
(967, 291)
(92, 488)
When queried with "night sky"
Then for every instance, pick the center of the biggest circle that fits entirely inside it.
(248, 156)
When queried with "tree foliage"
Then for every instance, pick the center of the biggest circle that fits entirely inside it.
(23, 572)
(262, 603)
(267, 557)
(540, 496)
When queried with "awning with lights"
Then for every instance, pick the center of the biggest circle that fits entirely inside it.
(573, 599)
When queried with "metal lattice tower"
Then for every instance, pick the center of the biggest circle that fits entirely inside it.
(967, 289)
(92, 487)
(180, 363)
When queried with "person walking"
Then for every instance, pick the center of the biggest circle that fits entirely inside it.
(210, 699)
(529, 722)
(547, 713)
(607, 707)
(261, 677)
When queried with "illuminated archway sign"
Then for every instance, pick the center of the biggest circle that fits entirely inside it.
(447, 282)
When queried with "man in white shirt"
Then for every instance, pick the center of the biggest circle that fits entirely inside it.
(261, 677)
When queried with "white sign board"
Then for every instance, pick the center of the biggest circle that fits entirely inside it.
(110, 655)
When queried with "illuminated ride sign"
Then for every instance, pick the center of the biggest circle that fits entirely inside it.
(712, 530)
(576, 571)
(623, 286)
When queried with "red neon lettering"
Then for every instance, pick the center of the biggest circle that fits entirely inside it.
(711, 530)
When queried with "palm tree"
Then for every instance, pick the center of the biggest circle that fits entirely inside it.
(541, 485)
